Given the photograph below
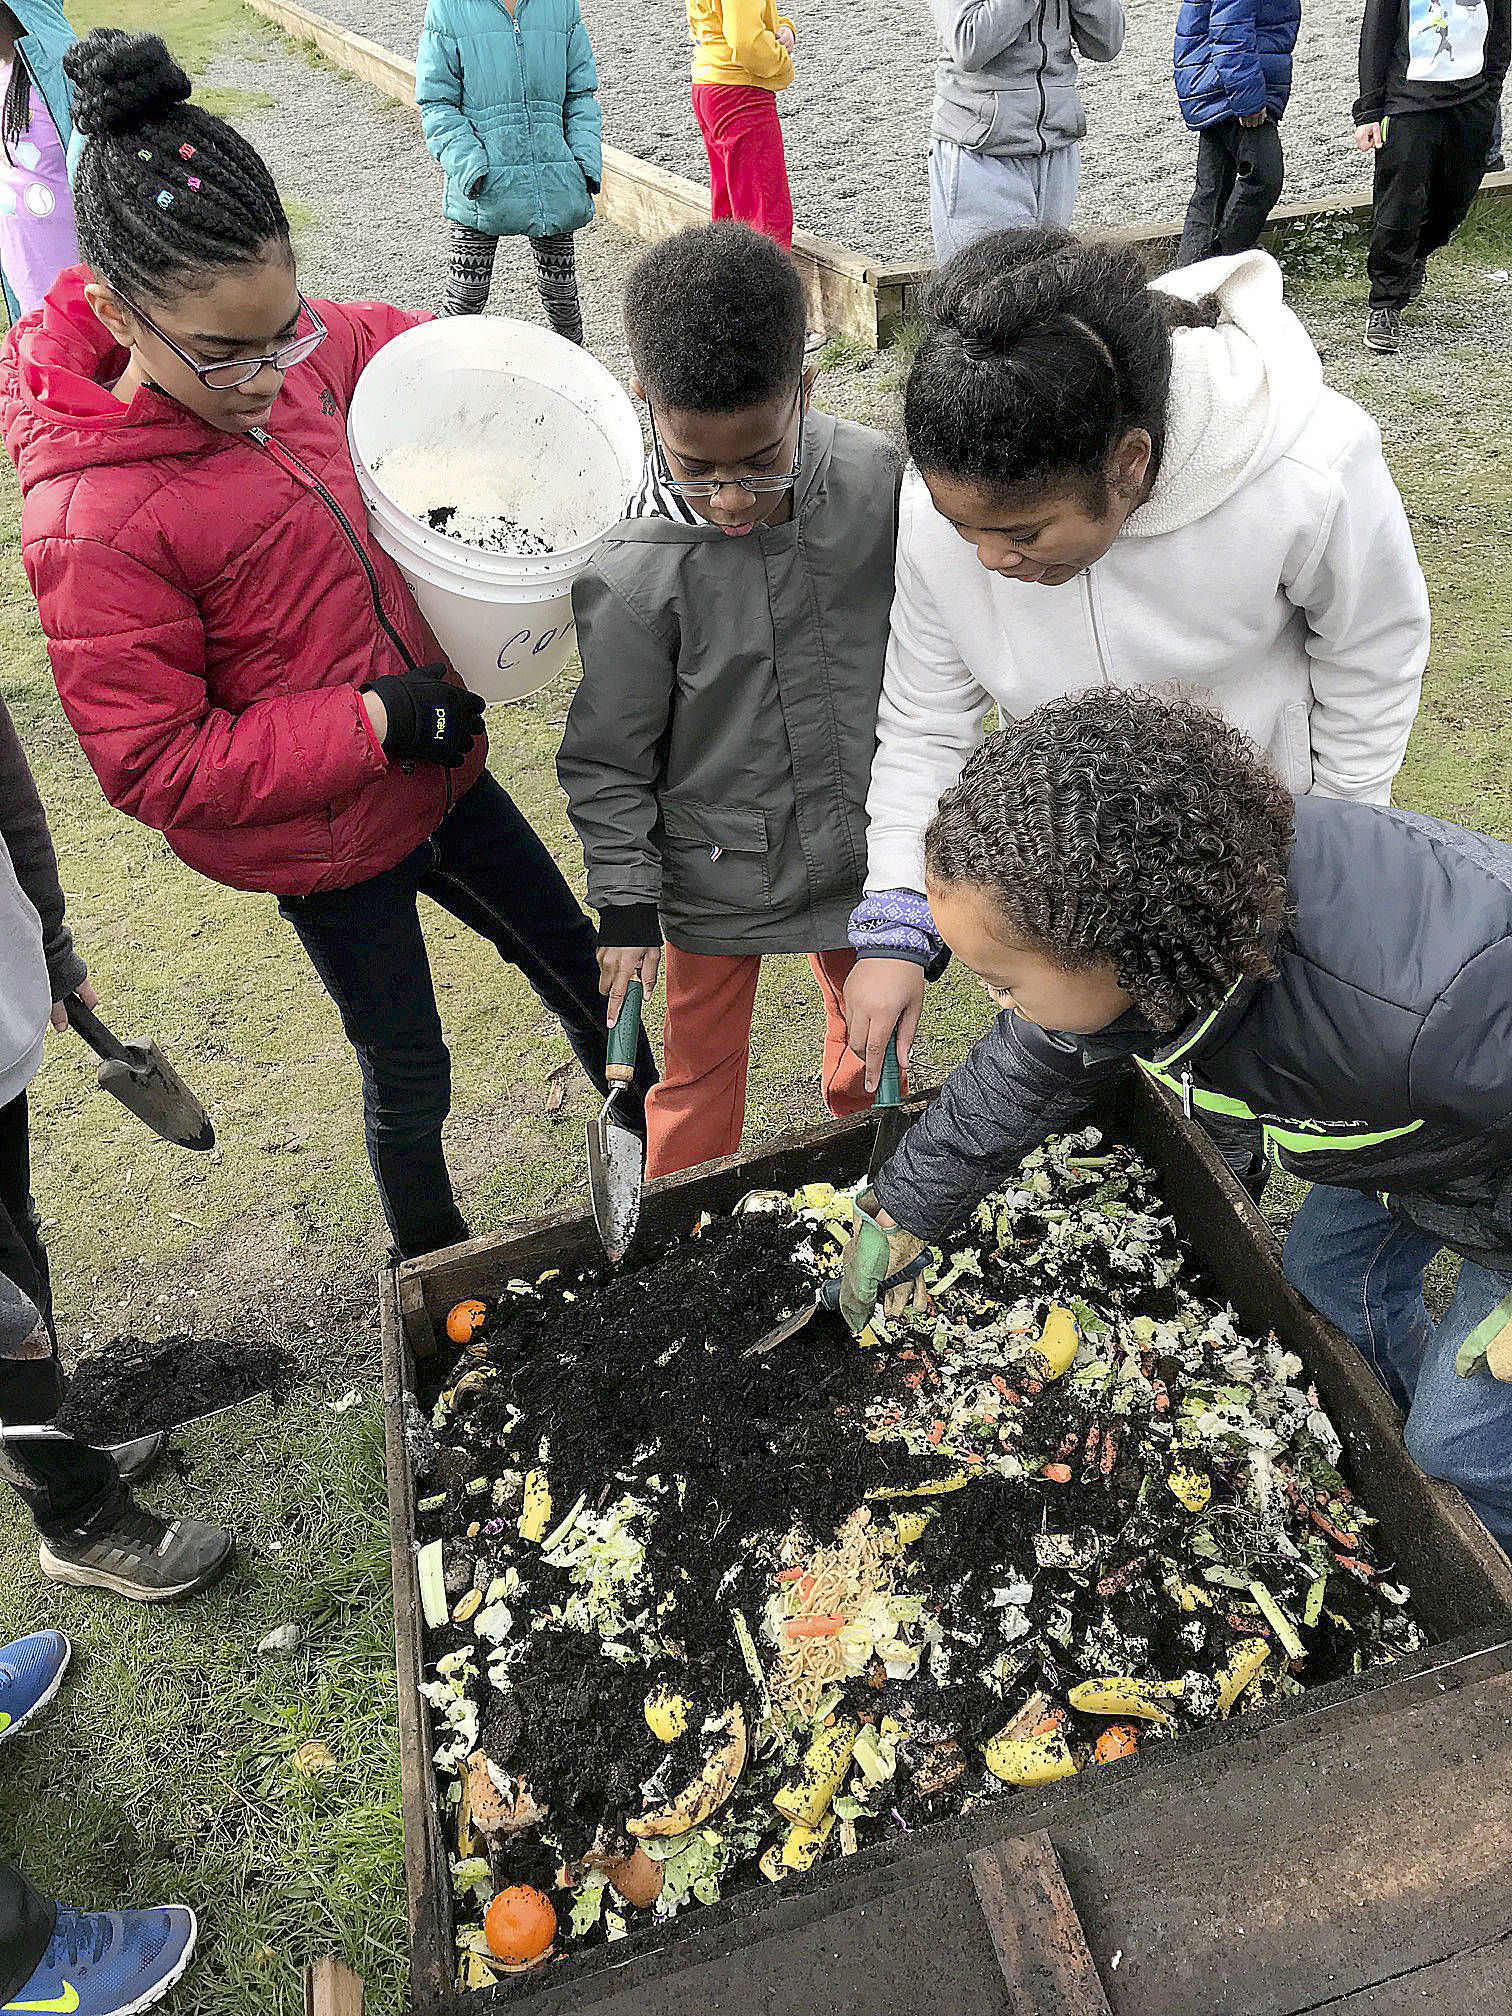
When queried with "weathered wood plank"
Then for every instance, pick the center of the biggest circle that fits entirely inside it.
(426, 1868)
(1036, 1933)
(1476, 1980)
(330, 1989)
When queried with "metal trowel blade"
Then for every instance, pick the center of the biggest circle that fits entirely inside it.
(145, 1082)
(616, 1170)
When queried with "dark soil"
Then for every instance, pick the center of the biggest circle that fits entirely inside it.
(136, 1387)
(503, 535)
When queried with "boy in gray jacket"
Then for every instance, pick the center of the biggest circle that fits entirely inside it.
(1008, 120)
(93, 1534)
(732, 633)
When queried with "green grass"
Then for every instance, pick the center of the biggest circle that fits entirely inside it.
(163, 1769)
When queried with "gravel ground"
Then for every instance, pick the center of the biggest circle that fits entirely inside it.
(364, 236)
(866, 75)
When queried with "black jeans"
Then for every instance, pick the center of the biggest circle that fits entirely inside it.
(1426, 176)
(487, 867)
(26, 1929)
(1239, 175)
(62, 1484)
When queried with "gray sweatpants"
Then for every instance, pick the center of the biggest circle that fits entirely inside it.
(971, 194)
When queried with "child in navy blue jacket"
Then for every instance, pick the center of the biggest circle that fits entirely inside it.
(1233, 65)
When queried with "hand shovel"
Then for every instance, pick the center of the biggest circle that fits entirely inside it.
(892, 1122)
(140, 1076)
(616, 1152)
(44, 1431)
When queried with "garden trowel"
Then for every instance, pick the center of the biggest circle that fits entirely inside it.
(892, 1122)
(616, 1151)
(140, 1076)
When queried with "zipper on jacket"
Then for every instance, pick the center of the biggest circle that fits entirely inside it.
(307, 478)
(1098, 644)
(1039, 78)
(1186, 1090)
(290, 462)
(535, 166)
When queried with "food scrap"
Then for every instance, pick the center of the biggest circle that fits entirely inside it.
(697, 1621)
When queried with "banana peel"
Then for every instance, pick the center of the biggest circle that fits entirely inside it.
(668, 1713)
(1031, 1747)
(805, 1798)
(1242, 1665)
(1121, 1695)
(932, 1487)
(703, 1796)
(804, 1845)
(535, 1512)
(1193, 1487)
(1059, 1341)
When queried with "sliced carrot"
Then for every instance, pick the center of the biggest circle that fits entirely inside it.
(788, 1574)
(805, 1587)
(1058, 1473)
(971, 1457)
(813, 1627)
(936, 1430)
(1000, 1382)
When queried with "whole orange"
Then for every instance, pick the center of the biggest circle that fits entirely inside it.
(520, 1926)
(465, 1321)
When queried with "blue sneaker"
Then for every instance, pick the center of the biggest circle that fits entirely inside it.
(109, 1963)
(31, 1672)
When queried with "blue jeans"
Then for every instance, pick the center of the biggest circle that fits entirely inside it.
(486, 865)
(971, 194)
(1363, 1269)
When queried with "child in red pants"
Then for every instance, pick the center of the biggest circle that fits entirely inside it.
(743, 56)
(732, 632)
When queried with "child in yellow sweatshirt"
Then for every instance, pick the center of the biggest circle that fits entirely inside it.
(742, 57)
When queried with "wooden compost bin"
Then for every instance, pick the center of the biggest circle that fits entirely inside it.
(1461, 1582)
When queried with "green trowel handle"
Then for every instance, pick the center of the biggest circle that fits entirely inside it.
(624, 1037)
(890, 1087)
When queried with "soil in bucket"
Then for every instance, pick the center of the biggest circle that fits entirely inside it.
(458, 489)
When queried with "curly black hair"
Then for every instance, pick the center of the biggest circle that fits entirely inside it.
(165, 192)
(716, 320)
(1136, 827)
(1039, 355)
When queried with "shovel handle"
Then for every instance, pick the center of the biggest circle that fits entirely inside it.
(87, 1024)
(624, 1037)
(890, 1085)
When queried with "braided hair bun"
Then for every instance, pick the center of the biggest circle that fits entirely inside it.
(122, 82)
(166, 195)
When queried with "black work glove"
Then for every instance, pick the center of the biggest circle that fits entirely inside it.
(429, 719)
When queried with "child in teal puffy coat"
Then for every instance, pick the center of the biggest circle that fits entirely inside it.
(507, 95)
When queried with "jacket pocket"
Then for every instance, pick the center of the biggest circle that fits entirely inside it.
(715, 857)
(1296, 748)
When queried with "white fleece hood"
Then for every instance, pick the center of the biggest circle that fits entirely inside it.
(1241, 393)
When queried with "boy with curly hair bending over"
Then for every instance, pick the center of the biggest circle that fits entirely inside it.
(1137, 890)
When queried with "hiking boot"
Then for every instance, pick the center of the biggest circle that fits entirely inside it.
(140, 1556)
(31, 1672)
(110, 1963)
(136, 1461)
(1383, 330)
(1418, 281)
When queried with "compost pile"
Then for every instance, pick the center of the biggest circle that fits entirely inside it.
(698, 1619)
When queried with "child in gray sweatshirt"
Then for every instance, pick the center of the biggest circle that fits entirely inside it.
(1008, 120)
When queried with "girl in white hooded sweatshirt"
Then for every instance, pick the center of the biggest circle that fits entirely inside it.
(1128, 484)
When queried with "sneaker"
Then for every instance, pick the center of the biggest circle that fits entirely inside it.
(1383, 330)
(109, 1963)
(136, 1461)
(1495, 166)
(31, 1672)
(140, 1556)
(1418, 281)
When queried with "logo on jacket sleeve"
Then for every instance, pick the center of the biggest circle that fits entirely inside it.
(328, 404)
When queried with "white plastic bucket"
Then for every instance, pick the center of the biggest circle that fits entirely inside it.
(561, 442)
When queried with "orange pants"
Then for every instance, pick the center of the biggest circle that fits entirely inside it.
(698, 1109)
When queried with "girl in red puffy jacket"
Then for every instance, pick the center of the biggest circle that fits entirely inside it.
(245, 669)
